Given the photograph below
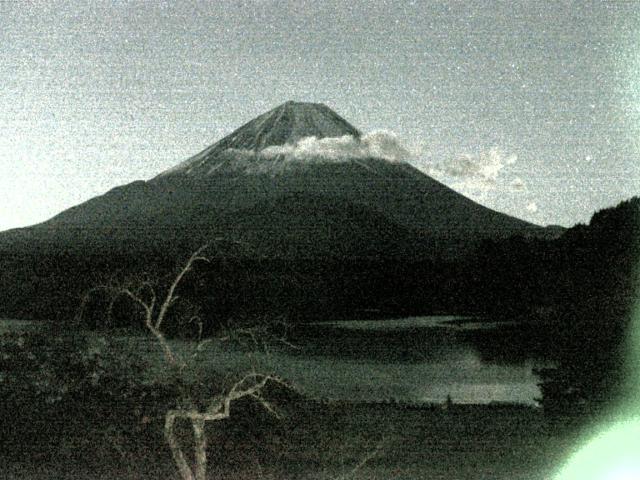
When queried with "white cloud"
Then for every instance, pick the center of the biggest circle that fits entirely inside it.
(379, 144)
(479, 173)
(485, 166)
(517, 184)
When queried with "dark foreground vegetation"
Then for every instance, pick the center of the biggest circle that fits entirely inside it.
(516, 276)
(72, 409)
(510, 277)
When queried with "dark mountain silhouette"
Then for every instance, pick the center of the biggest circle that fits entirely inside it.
(281, 206)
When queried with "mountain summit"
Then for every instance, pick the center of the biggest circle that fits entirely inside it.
(288, 123)
(284, 125)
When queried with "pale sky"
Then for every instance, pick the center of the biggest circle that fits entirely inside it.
(529, 107)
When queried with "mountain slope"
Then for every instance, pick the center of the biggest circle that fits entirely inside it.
(226, 189)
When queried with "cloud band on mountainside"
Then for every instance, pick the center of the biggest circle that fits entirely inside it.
(378, 144)
(486, 177)
(476, 175)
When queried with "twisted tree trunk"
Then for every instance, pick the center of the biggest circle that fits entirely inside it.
(198, 422)
(176, 451)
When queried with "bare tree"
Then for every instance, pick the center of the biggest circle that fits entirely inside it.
(155, 308)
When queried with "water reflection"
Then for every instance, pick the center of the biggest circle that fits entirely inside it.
(420, 360)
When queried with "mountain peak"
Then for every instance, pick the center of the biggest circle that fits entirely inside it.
(285, 124)
(288, 123)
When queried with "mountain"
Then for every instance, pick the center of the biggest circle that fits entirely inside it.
(281, 205)
(296, 188)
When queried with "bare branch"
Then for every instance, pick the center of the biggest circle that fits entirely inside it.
(283, 338)
(366, 459)
(170, 297)
(200, 440)
(200, 347)
(266, 405)
(86, 297)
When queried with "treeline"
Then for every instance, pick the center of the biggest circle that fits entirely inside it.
(594, 309)
(517, 276)
(577, 293)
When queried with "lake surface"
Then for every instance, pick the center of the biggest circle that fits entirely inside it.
(416, 360)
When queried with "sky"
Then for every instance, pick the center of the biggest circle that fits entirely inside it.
(530, 108)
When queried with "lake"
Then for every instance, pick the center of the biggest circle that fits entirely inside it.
(414, 360)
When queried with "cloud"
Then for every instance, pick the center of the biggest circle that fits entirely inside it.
(475, 175)
(483, 167)
(479, 173)
(486, 177)
(378, 144)
(517, 184)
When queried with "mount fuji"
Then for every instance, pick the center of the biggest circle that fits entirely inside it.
(296, 181)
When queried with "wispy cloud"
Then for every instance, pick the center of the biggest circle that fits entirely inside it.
(478, 171)
(487, 177)
(379, 144)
